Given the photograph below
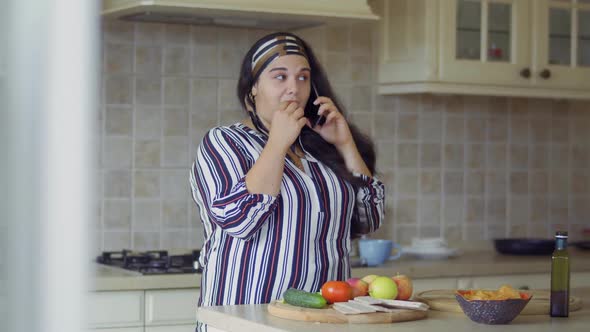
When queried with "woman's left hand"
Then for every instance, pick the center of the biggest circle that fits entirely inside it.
(335, 130)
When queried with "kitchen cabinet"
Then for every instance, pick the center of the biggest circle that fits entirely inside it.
(528, 48)
(171, 307)
(171, 310)
(112, 309)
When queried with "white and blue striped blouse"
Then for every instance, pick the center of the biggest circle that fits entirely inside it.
(256, 246)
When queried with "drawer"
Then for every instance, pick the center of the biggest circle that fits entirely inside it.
(171, 306)
(116, 309)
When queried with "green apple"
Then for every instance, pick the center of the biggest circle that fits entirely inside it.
(383, 288)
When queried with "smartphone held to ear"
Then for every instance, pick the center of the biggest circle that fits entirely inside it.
(311, 111)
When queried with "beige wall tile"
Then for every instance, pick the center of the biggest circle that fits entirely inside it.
(338, 68)
(539, 182)
(476, 155)
(430, 128)
(204, 61)
(147, 153)
(175, 183)
(117, 184)
(385, 155)
(580, 157)
(496, 211)
(148, 122)
(497, 156)
(176, 91)
(176, 60)
(430, 155)
(147, 184)
(430, 182)
(114, 241)
(407, 182)
(539, 157)
(177, 34)
(175, 239)
(429, 211)
(117, 152)
(453, 210)
(407, 155)
(361, 98)
(455, 129)
(475, 210)
(148, 90)
(519, 157)
(146, 215)
(406, 211)
(405, 233)
(118, 90)
(407, 127)
(430, 231)
(337, 38)
(519, 183)
(148, 59)
(496, 183)
(384, 125)
(454, 156)
(203, 35)
(175, 152)
(519, 130)
(174, 214)
(360, 69)
(118, 121)
(146, 240)
(117, 215)
(409, 103)
(541, 130)
(581, 183)
(453, 183)
(176, 122)
(539, 210)
(520, 211)
(150, 33)
(475, 181)
(476, 130)
(119, 31)
(498, 129)
(118, 58)
(558, 209)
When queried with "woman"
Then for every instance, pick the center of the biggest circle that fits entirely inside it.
(279, 199)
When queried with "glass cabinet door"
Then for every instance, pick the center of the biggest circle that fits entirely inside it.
(484, 30)
(486, 41)
(564, 53)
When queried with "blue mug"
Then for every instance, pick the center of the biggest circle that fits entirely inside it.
(376, 252)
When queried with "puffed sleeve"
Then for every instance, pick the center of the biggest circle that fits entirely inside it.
(370, 201)
(219, 188)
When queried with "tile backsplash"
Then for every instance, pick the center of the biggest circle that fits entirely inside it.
(462, 167)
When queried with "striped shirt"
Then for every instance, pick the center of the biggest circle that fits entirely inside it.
(256, 245)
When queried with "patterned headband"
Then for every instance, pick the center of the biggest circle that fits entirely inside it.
(273, 48)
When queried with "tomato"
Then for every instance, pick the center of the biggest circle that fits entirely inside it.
(337, 291)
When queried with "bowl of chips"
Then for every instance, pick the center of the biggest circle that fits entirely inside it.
(492, 306)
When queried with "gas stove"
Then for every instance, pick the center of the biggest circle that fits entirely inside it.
(152, 262)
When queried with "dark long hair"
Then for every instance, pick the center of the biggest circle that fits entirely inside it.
(311, 141)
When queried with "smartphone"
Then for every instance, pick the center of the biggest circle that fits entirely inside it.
(311, 111)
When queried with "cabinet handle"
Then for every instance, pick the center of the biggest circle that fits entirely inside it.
(525, 73)
(545, 73)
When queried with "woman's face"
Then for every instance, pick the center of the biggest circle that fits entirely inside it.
(286, 78)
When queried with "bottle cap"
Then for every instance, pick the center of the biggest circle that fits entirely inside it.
(561, 234)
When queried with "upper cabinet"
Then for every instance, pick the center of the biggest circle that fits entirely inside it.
(532, 48)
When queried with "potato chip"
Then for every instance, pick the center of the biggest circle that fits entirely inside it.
(505, 292)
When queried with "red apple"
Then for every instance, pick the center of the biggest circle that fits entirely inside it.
(359, 287)
(404, 286)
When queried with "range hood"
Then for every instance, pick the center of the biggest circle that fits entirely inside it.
(263, 14)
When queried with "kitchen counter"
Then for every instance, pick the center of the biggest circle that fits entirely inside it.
(470, 263)
(256, 318)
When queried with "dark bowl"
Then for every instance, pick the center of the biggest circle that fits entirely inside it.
(540, 247)
(492, 311)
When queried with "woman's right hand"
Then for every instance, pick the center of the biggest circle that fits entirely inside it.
(286, 125)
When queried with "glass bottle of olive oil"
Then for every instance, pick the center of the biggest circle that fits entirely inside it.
(560, 277)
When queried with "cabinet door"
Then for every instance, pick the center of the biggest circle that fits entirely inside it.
(485, 42)
(116, 309)
(561, 57)
(171, 306)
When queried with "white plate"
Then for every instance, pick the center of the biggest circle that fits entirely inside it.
(431, 253)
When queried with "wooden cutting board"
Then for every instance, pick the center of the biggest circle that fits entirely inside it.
(329, 315)
(444, 300)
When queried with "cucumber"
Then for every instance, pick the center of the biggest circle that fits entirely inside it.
(304, 299)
